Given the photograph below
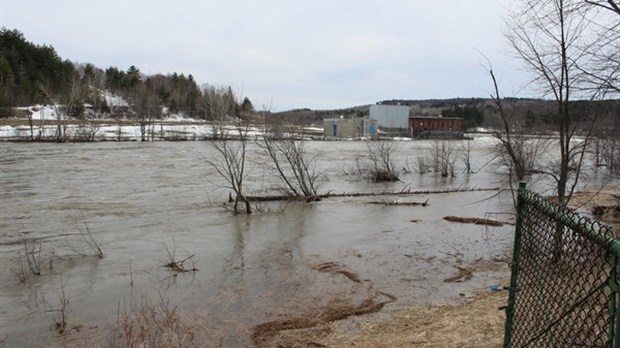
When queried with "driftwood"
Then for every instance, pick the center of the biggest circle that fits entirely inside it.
(361, 194)
(610, 212)
(473, 220)
(177, 266)
(423, 204)
(407, 192)
(291, 198)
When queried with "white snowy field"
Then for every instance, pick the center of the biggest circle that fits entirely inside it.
(45, 119)
(110, 132)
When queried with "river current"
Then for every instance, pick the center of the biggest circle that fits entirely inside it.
(149, 203)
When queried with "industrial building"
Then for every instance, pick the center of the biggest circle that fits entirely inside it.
(417, 124)
(393, 117)
(349, 128)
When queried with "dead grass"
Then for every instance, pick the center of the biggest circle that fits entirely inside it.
(478, 323)
(603, 203)
(264, 333)
(462, 275)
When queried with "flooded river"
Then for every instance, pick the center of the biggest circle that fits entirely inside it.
(149, 203)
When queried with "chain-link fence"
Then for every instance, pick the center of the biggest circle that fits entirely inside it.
(564, 286)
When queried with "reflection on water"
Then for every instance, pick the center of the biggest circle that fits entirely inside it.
(149, 202)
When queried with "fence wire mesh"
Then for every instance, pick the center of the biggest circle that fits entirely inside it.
(563, 290)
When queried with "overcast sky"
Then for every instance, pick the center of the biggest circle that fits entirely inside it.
(318, 54)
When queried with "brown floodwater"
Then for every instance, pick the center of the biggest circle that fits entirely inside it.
(149, 203)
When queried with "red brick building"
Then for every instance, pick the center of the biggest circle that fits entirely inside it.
(435, 123)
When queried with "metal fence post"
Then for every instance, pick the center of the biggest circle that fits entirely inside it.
(515, 265)
(615, 287)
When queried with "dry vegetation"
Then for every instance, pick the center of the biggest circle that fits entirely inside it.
(476, 323)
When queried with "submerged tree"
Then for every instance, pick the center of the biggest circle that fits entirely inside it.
(380, 164)
(232, 148)
(518, 153)
(295, 168)
(553, 38)
(555, 41)
(230, 142)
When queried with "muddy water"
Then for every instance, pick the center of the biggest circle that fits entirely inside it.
(146, 203)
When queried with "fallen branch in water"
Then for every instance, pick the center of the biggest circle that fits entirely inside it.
(473, 220)
(362, 194)
(177, 266)
(424, 204)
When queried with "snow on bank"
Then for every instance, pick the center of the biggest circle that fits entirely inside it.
(38, 112)
(172, 128)
(114, 100)
(112, 132)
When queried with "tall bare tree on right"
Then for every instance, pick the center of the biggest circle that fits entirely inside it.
(553, 39)
(602, 63)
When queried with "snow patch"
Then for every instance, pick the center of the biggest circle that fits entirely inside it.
(41, 112)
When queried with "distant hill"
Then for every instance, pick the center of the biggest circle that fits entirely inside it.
(33, 74)
(535, 114)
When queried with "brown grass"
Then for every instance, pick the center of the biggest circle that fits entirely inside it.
(478, 323)
(462, 275)
(264, 333)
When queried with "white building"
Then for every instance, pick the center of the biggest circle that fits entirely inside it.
(390, 116)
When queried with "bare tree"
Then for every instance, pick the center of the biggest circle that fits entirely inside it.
(520, 154)
(230, 142)
(443, 158)
(465, 154)
(220, 104)
(87, 132)
(233, 150)
(607, 152)
(550, 37)
(295, 168)
(601, 68)
(610, 5)
(148, 107)
(65, 107)
(380, 166)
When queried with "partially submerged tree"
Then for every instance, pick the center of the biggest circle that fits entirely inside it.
(230, 142)
(380, 165)
(232, 148)
(552, 39)
(601, 66)
(517, 152)
(294, 167)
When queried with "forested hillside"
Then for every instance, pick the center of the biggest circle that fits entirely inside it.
(30, 73)
(35, 74)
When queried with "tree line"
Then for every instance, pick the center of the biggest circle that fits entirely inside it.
(35, 74)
